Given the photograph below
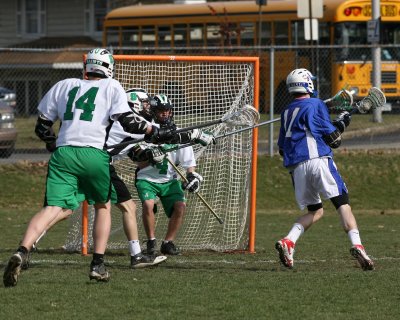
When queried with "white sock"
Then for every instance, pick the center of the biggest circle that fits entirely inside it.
(295, 233)
(354, 236)
(134, 247)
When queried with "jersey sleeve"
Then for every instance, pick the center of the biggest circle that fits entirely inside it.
(186, 157)
(48, 105)
(119, 101)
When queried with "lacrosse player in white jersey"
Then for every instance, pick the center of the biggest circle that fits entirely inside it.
(79, 165)
(305, 141)
(139, 102)
(157, 178)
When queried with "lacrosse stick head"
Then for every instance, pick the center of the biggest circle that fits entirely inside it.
(375, 99)
(246, 116)
(342, 101)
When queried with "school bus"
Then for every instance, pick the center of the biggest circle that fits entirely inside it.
(340, 58)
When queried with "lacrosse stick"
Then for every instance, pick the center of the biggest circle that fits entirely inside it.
(374, 100)
(246, 116)
(197, 194)
(343, 101)
(223, 135)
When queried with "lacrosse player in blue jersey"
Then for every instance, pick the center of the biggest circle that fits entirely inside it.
(305, 141)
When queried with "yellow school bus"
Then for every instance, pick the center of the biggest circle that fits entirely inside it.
(352, 66)
(243, 27)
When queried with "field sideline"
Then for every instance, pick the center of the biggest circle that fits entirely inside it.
(326, 282)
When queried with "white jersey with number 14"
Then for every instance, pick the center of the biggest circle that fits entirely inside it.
(85, 109)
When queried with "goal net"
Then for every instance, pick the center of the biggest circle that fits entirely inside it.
(202, 89)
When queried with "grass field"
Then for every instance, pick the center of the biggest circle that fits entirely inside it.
(326, 282)
(360, 124)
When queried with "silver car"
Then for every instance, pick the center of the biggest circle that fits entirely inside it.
(8, 131)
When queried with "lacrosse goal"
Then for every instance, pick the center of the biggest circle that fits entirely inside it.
(202, 89)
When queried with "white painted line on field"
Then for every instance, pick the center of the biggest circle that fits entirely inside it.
(180, 260)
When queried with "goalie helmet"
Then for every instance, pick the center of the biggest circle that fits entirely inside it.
(139, 101)
(300, 81)
(162, 109)
(99, 63)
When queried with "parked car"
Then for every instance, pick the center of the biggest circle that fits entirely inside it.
(8, 131)
(8, 96)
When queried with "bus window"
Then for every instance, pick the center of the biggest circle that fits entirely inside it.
(180, 35)
(112, 36)
(281, 29)
(324, 33)
(214, 34)
(350, 33)
(130, 36)
(246, 33)
(196, 35)
(266, 34)
(164, 36)
(297, 32)
(148, 36)
(390, 33)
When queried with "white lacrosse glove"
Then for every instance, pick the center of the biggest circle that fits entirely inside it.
(201, 137)
(193, 182)
(154, 155)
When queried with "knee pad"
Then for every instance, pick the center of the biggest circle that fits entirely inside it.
(340, 200)
(314, 207)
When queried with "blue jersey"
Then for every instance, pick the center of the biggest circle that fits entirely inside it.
(303, 124)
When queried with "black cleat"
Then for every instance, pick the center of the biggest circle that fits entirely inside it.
(99, 272)
(13, 269)
(169, 248)
(142, 261)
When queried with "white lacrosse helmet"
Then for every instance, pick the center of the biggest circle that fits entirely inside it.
(300, 81)
(99, 63)
(139, 101)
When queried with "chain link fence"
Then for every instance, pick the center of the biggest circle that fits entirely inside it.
(30, 73)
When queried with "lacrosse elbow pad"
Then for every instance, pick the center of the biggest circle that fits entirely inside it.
(132, 123)
(44, 130)
(181, 138)
(333, 139)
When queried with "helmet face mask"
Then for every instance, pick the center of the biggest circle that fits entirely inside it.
(99, 63)
(300, 81)
(162, 109)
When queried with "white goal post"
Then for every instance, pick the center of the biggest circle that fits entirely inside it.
(202, 89)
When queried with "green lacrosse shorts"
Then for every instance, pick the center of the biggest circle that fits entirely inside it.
(168, 192)
(77, 171)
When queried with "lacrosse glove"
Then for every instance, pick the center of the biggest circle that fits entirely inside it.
(160, 135)
(193, 182)
(342, 121)
(51, 146)
(136, 154)
(154, 155)
(202, 137)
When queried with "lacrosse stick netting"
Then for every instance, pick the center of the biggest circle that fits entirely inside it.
(375, 99)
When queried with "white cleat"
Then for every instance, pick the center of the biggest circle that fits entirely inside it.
(359, 253)
(285, 248)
